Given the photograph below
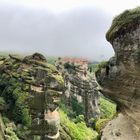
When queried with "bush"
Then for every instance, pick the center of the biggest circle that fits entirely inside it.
(11, 134)
(77, 131)
(92, 67)
(101, 65)
(5, 120)
(77, 107)
(108, 108)
(2, 104)
(15, 97)
(100, 124)
(21, 111)
(79, 119)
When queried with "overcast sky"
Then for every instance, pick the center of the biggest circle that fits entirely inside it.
(59, 27)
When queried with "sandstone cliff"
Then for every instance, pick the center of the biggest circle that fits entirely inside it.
(120, 78)
(31, 89)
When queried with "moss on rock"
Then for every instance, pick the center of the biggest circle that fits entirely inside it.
(29, 87)
(122, 23)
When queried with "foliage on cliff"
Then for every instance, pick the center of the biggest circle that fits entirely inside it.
(107, 107)
(77, 131)
(127, 20)
(23, 85)
(108, 111)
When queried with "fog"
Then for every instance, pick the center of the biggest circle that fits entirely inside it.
(79, 31)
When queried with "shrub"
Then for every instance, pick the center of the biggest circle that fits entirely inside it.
(101, 65)
(79, 119)
(11, 134)
(15, 97)
(2, 104)
(21, 111)
(108, 108)
(77, 107)
(77, 131)
(5, 120)
(92, 67)
(100, 124)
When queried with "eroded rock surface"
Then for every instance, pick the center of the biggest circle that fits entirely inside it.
(34, 86)
(80, 87)
(85, 92)
(120, 79)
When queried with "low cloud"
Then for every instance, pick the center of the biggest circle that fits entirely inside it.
(78, 32)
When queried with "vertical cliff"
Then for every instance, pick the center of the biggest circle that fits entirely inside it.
(120, 78)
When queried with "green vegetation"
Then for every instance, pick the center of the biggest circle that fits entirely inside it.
(127, 19)
(11, 134)
(101, 65)
(77, 131)
(108, 111)
(7, 128)
(72, 111)
(108, 108)
(51, 60)
(15, 95)
(71, 68)
(15, 98)
(77, 107)
(100, 124)
(92, 67)
(74, 115)
(2, 104)
(5, 120)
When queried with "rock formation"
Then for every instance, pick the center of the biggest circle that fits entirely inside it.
(120, 79)
(85, 91)
(79, 86)
(31, 88)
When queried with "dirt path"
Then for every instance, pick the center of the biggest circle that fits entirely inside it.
(119, 128)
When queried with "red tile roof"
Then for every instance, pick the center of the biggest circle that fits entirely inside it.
(74, 60)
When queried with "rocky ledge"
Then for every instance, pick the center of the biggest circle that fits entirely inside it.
(120, 78)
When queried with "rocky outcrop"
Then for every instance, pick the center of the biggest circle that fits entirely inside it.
(120, 78)
(32, 88)
(82, 88)
(85, 92)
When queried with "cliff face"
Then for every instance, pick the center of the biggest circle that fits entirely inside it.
(81, 88)
(85, 92)
(31, 88)
(120, 79)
